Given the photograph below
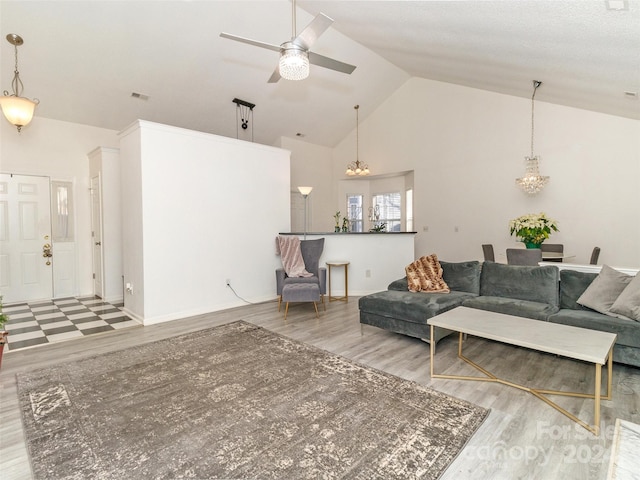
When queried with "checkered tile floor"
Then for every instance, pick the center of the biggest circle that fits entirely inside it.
(50, 321)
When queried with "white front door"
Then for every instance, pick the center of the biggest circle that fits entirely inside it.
(96, 235)
(25, 238)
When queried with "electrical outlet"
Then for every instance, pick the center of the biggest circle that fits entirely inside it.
(129, 288)
(367, 273)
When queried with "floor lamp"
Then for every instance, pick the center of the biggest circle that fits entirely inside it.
(305, 191)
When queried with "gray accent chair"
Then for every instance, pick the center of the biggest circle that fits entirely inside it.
(594, 256)
(311, 251)
(524, 256)
(552, 247)
(487, 250)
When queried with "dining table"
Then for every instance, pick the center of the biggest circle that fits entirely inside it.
(562, 256)
(546, 256)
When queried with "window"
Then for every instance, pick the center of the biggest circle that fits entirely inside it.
(62, 211)
(409, 209)
(354, 213)
(389, 207)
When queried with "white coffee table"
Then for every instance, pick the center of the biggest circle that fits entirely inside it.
(572, 342)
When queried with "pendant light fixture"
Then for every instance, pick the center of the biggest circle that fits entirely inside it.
(532, 182)
(18, 110)
(357, 168)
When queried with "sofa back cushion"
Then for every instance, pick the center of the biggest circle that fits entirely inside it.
(462, 276)
(535, 284)
(572, 285)
(459, 276)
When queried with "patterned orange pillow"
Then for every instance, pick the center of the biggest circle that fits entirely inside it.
(425, 275)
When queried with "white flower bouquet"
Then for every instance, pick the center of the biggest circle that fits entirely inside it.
(533, 228)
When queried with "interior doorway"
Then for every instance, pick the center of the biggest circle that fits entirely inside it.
(96, 236)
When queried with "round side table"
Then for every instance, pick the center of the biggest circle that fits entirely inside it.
(339, 263)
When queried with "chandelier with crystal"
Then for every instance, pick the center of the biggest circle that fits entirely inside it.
(357, 167)
(18, 110)
(532, 182)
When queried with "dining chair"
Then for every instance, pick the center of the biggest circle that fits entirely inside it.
(487, 250)
(594, 256)
(524, 256)
(552, 247)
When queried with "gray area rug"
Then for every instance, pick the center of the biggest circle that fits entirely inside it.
(236, 402)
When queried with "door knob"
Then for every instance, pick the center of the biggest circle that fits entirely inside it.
(46, 251)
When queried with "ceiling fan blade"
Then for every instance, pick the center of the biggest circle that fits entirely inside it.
(255, 43)
(307, 37)
(330, 63)
(275, 76)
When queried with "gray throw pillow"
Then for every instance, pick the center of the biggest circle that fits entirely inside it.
(604, 290)
(628, 303)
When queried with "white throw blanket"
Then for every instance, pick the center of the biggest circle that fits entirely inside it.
(288, 247)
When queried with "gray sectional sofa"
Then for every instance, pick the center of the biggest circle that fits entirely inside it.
(542, 293)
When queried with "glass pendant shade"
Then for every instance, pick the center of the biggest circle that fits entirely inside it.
(18, 110)
(294, 62)
(532, 182)
(357, 168)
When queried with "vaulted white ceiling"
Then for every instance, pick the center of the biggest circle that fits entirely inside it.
(84, 59)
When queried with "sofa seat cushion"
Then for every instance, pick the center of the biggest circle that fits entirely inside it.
(411, 307)
(533, 284)
(627, 330)
(512, 306)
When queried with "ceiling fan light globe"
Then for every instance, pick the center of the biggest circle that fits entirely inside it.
(294, 63)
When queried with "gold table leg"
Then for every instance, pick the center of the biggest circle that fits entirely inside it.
(540, 393)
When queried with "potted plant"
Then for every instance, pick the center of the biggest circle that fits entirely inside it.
(533, 228)
(345, 225)
(3, 333)
(337, 219)
(379, 227)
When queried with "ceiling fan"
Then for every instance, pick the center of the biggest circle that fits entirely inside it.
(295, 56)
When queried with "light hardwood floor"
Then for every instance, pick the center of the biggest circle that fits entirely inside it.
(523, 438)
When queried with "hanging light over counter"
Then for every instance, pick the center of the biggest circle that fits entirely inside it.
(357, 167)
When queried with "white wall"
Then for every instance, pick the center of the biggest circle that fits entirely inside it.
(311, 165)
(199, 209)
(59, 150)
(467, 146)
